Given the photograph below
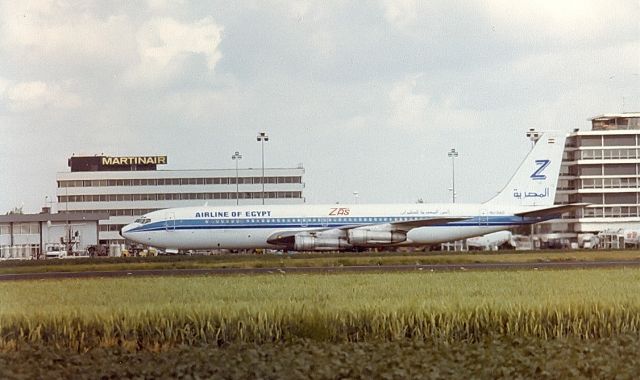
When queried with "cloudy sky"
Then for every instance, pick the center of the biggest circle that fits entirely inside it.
(369, 96)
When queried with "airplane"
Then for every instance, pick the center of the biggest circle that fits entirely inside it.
(490, 241)
(527, 198)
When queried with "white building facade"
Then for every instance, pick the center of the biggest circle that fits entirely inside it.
(127, 187)
(602, 167)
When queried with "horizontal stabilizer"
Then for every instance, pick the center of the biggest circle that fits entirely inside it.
(553, 210)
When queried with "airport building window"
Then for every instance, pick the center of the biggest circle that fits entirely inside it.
(608, 154)
(177, 181)
(624, 140)
(589, 155)
(590, 140)
(591, 170)
(110, 227)
(619, 212)
(591, 183)
(619, 154)
(619, 169)
(26, 228)
(620, 198)
(592, 198)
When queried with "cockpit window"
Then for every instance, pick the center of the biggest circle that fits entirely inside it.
(142, 220)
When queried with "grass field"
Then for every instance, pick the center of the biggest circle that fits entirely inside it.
(305, 260)
(164, 312)
(489, 324)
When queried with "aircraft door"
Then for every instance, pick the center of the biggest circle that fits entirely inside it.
(483, 220)
(324, 222)
(170, 221)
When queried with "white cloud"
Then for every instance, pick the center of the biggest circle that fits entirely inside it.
(165, 44)
(408, 108)
(559, 22)
(32, 95)
(165, 5)
(4, 84)
(66, 39)
(413, 110)
(400, 13)
(199, 105)
(63, 33)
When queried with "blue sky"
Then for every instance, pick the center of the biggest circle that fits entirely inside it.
(369, 96)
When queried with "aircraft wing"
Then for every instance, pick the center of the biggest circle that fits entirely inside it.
(286, 237)
(411, 224)
(553, 210)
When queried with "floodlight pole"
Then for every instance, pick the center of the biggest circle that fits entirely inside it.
(262, 137)
(237, 157)
(453, 154)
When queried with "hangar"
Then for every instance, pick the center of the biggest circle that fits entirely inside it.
(31, 236)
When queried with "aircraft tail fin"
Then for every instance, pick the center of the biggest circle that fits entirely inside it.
(535, 181)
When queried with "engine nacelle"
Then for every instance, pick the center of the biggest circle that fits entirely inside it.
(304, 242)
(364, 237)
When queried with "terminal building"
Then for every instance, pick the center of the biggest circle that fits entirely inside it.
(30, 236)
(127, 187)
(601, 167)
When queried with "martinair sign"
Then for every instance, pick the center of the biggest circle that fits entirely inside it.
(136, 160)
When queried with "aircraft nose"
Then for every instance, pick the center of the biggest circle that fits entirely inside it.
(124, 230)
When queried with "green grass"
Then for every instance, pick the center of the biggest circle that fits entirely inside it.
(159, 313)
(302, 260)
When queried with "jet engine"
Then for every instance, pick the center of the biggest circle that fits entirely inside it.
(366, 237)
(320, 242)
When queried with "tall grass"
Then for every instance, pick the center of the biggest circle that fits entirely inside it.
(157, 313)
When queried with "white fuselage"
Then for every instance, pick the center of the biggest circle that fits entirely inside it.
(527, 198)
(246, 227)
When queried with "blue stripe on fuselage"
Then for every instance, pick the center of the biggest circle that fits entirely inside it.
(214, 224)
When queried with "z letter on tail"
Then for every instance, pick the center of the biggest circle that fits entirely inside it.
(535, 181)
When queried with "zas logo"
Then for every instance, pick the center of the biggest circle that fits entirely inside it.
(542, 165)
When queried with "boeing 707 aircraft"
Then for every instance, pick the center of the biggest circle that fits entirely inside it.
(528, 198)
